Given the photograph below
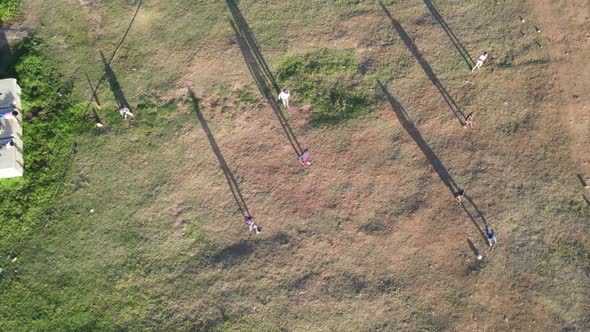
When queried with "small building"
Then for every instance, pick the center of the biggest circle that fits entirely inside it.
(11, 143)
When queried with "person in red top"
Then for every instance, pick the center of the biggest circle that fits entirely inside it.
(305, 158)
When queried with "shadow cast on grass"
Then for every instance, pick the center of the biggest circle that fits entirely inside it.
(105, 62)
(411, 129)
(242, 26)
(435, 162)
(5, 55)
(95, 98)
(229, 176)
(233, 254)
(456, 42)
(260, 71)
(237, 253)
(114, 84)
(472, 246)
(425, 66)
(582, 180)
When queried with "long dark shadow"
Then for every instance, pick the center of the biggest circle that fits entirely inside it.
(582, 181)
(263, 86)
(114, 83)
(126, 31)
(436, 164)
(479, 213)
(250, 39)
(473, 248)
(5, 54)
(456, 42)
(474, 222)
(95, 98)
(425, 66)
(94, 95)
(586, 199)
(229, 176)
(104, 76)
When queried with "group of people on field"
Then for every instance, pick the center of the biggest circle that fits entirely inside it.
(305, 156)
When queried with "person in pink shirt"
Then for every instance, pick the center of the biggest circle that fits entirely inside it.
(9, 115)
(251, 224)
(305, 158)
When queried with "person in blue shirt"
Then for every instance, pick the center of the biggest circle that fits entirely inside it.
(491, 235)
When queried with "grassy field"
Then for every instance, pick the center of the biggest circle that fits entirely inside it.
(145, 234)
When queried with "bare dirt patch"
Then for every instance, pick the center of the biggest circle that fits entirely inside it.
(566, 27)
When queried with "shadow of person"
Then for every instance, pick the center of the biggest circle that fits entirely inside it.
(114, 84)
(242, 26)
(425, 66)
(456, 42)
(229, 176)
(5, 55)
(411, 129)
(432, 158)
(473, 248)
(107, 63)
(264, 85)
(582, 180)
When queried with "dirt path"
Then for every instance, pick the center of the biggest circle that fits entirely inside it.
(566, 26)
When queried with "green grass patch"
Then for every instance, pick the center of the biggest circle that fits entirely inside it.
(331, 81)
(8, 10)
(50, 120)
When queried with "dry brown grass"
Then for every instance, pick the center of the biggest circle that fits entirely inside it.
(368, 238)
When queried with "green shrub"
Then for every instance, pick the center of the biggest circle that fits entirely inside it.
(331, 81)
(8, 10)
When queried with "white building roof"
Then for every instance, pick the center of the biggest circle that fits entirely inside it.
(11, 159)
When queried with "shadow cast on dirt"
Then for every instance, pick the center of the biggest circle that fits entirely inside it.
(456, 42)
(425, 66)
(237, 253)
(229, 176)
(259, 70)
(5, 55)
(435, 162)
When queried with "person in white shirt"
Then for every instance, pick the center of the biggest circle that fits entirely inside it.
(284, 97)
(480, 61)
(125, 112)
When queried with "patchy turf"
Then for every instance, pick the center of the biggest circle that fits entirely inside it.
(368, 238)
